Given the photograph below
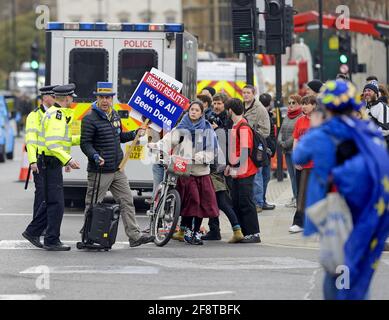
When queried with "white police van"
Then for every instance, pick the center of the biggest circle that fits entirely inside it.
(85, 53)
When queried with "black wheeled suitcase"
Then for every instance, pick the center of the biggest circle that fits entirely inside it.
(101, 224)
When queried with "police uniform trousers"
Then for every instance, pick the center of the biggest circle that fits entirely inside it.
(39, 195)
(49, 214)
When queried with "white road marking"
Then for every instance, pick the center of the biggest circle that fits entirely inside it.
(22, 297)
(203, 294)
(275, 245)
(94, 270)
(312, 282)
(73, 215)
(26, 245)
(14, 214)
(234, 263)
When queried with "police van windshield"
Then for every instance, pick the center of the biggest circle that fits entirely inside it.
(86, 68)
(133, 63)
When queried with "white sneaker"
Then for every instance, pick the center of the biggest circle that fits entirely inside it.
(295, 229)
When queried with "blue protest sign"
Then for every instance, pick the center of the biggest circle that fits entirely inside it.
(158, 102)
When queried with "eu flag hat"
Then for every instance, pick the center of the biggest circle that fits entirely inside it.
(104, 89)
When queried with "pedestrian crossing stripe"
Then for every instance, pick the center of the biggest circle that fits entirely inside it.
(100, 269)
(26, 245)
(233, 263)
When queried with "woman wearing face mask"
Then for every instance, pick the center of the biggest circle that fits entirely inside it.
(302, 172)
(195, 138)
(285, 140)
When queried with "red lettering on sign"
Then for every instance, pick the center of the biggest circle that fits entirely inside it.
(138, 43)
(89, 43)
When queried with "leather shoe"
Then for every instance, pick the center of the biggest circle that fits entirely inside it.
(211, 235)
(56, 247)
(267, 206)
(34, 240)
(142, 240)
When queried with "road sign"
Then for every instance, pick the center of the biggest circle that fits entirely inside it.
(158, 102)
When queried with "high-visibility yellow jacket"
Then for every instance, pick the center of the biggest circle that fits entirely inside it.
(33, 127)
(56, 137)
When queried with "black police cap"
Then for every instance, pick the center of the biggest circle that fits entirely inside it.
(66, 90)
(47, 90)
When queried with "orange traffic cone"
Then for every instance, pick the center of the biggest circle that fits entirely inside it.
(24, 165)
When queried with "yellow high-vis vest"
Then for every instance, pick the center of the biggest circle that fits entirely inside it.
(56, 136)
(33, 127)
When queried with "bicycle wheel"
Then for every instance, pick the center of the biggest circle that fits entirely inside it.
(166, 218)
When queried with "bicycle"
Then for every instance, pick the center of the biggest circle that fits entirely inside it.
(165, 209)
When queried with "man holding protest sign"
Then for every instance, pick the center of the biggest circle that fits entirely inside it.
(101, 136)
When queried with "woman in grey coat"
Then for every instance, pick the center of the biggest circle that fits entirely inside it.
(285, 140)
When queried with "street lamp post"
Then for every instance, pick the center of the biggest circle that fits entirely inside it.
(100, 11)
(321, 54)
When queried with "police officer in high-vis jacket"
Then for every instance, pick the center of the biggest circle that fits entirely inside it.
(33, 128)
(54, 145)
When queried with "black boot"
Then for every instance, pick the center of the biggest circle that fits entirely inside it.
(212, 235)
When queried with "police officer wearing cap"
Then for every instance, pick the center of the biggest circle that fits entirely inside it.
(33, 128)
(54, 146)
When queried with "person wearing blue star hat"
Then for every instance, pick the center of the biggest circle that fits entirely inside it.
(347, 151)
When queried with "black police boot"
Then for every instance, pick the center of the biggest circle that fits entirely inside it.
(34, 240)
(212, 235)
(59, 246)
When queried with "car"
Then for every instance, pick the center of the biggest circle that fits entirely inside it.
(7, 133)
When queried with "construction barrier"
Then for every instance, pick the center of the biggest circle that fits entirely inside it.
(24, 165)
(273, 163)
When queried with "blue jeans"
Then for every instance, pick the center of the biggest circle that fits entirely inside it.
(158, 172)
(261, 181)
(258, 188)
(266, 179)
(292, 173)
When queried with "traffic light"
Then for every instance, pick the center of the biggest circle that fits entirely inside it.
(275, 27)
(244, 25)
(288, 25)
(34, 61)
(345, 49)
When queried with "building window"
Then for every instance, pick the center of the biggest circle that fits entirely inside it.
(75, 18)
(146, 16)
(170, 16)
(124, 17)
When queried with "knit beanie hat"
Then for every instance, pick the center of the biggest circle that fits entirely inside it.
(315, 85)
(372, 85)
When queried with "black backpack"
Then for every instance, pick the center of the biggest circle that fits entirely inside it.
(271, 139)
(258, 153)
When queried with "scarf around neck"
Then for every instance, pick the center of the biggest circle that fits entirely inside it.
(198, 129)
(295, 113)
